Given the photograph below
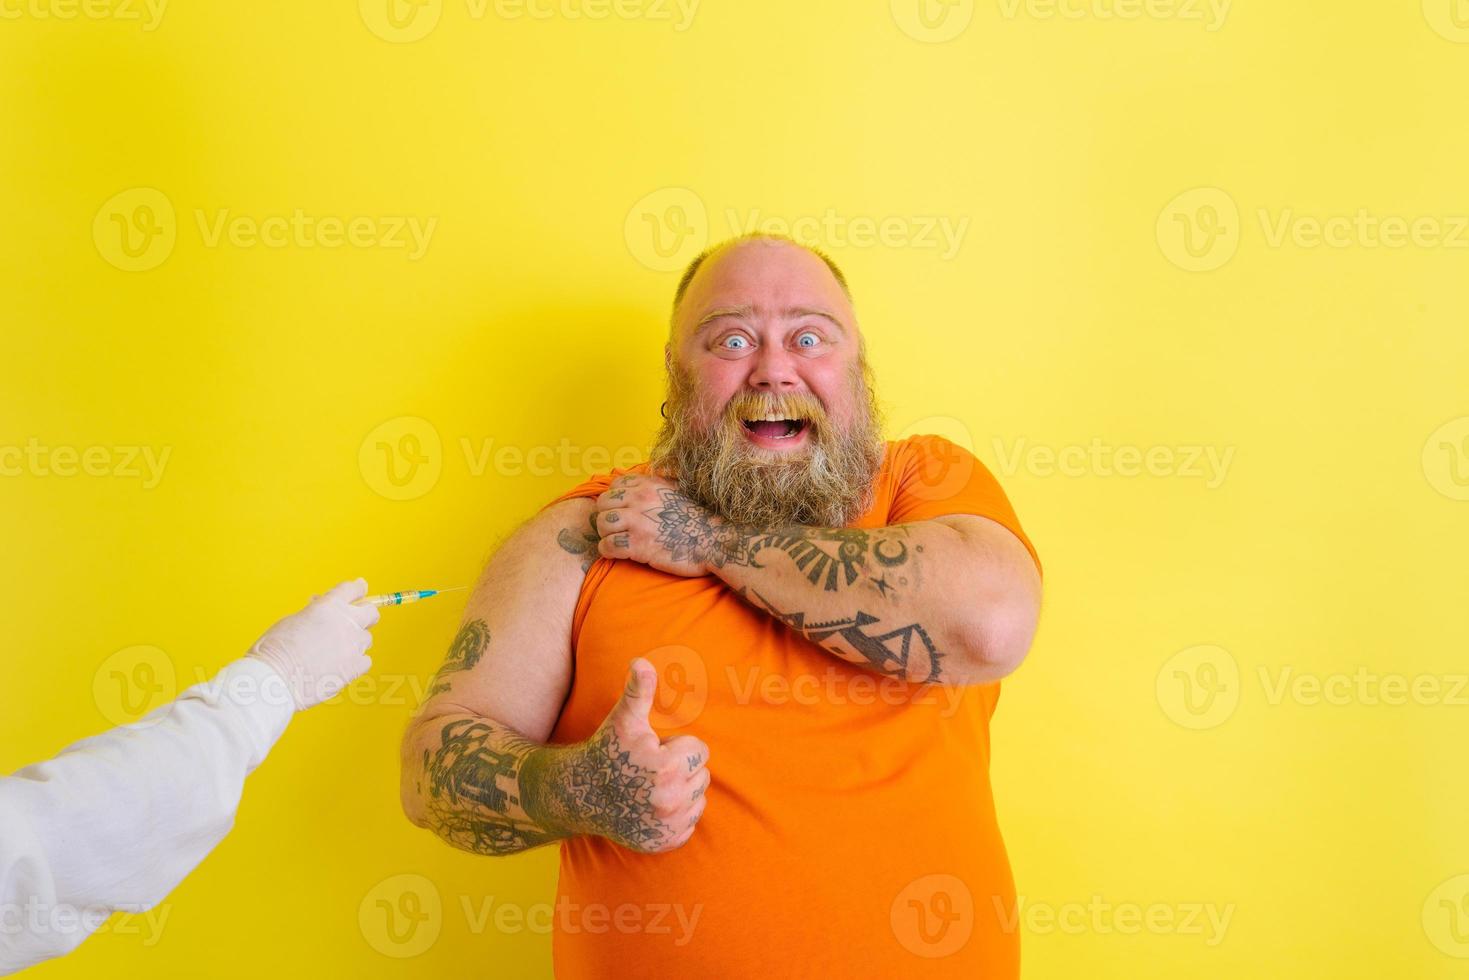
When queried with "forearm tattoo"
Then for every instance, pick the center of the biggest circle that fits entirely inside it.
(833, 558)
(484, 777)
(473, 780)
(907, 651)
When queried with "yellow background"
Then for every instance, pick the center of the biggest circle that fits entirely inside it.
(1072, 315)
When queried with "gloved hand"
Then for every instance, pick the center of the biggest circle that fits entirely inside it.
(321, 649)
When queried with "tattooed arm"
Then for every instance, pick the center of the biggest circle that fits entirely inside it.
(476, 770)
(951, 600)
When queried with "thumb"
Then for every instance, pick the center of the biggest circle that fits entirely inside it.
(637, 697)
(347, 591)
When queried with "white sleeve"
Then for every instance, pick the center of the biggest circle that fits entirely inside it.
(117, 820)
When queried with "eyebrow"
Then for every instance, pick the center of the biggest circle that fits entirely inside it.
(747, 312)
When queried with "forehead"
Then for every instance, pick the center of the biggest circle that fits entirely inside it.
(766, 275)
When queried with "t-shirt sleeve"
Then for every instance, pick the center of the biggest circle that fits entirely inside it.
(937, 478)
(594, 485)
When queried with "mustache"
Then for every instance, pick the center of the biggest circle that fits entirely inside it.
(803, 406)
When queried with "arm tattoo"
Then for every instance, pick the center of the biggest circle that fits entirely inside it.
(472, 780)
(886, 653)
(481, 771)
(583, 543)
(469, 645)
(833, 558)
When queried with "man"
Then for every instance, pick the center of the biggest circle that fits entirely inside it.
(115, 821)
(824, 614)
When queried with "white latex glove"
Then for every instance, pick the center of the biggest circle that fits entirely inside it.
(321, 649)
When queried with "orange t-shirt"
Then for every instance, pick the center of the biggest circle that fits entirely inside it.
(849, 829)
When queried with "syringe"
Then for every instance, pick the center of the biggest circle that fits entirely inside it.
(400, 598)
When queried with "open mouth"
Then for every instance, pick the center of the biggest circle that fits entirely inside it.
(775, 428)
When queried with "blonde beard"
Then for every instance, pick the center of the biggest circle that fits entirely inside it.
(826, 483)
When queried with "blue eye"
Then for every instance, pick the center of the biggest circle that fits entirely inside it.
(736, 338)
(801, 340)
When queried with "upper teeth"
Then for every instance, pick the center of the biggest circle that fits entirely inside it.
(773, 417)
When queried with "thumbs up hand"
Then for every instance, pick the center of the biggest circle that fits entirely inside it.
(632, 787)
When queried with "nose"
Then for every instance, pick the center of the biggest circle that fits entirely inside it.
(774, 371)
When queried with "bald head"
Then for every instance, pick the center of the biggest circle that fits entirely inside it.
(753, 261)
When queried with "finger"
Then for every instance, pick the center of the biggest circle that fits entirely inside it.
(617, 545)
(607, 521)
(347, 591)
(637, 697)
(682, 834)
(689, 748)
